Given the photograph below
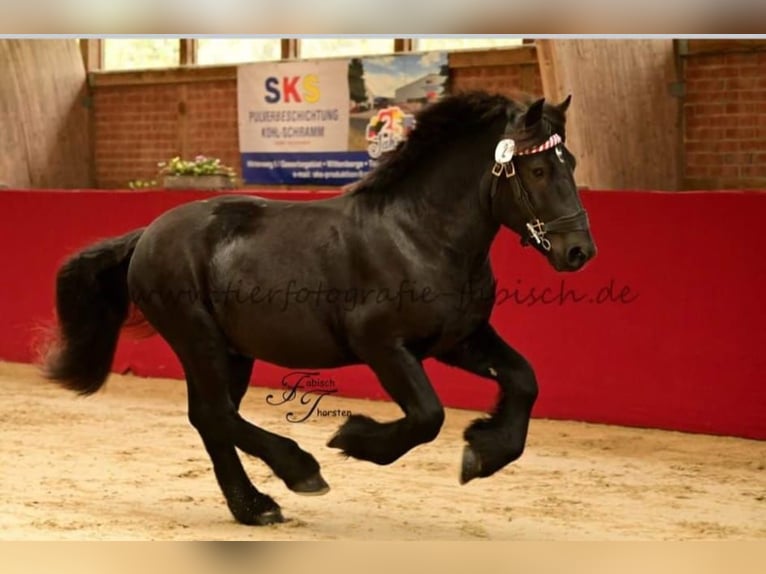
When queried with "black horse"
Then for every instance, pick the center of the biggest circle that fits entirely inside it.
(232, 279)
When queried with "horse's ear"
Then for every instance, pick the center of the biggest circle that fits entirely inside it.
(564, 106)
(534, 113)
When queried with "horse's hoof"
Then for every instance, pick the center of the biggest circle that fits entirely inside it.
(336, 441)
(269, 517)
(471, 467)
(313, 486)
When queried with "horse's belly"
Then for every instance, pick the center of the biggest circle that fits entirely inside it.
(298, 343)
(299, 354)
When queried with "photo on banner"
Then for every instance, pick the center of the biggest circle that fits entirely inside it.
(328, 122)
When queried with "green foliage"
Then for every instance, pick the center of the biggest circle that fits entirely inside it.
(200, 165)
(142, 184)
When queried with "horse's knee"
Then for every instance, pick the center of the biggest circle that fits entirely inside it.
(427, 423)
(521, 383)
(528, 388)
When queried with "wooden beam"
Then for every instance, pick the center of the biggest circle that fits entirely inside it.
(553, 85)
(92, 51)
(404, 45)
(163, 76)
(188, 51)
(291, 48)
(526, 54)
(632, 84)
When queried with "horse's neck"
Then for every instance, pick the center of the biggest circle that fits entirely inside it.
(444, 209)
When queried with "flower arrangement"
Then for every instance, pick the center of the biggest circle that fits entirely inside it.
(200, 173)
(200, 165)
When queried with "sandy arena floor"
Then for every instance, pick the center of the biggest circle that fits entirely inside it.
(126, 464)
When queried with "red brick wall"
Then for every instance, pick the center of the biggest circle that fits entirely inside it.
(725, 120)
(508, 80)
(138, 125)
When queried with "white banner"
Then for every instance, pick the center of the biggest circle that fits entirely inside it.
(290, 107)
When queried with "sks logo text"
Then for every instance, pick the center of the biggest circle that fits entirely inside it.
(292, 89)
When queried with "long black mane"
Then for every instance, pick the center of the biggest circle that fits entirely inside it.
(436, 124)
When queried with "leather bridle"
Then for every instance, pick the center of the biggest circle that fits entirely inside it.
(537, 229)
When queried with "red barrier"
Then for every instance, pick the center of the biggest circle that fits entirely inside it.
(668, 334)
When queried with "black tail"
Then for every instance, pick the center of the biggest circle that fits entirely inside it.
(91, 304)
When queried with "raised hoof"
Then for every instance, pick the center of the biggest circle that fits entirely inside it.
(471, 466)
(336, 441)
(312, 486)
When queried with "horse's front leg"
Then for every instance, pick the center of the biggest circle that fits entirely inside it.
(403, 377)
(498, 440)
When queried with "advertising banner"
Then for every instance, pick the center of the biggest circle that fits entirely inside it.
(326, 122)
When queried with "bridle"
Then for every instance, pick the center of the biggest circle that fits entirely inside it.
(538, 229)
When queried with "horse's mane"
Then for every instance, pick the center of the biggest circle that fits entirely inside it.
(452, 116)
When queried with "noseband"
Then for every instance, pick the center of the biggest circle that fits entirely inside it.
(538, 229)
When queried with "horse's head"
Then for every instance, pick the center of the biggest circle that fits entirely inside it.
(533, 190)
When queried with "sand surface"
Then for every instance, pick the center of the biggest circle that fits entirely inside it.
(125, 464)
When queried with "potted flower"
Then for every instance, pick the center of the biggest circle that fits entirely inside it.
(201, 173)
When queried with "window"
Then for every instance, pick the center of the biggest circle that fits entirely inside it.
(427, 44)
(333, 47)
(236, 50)
(133, 53)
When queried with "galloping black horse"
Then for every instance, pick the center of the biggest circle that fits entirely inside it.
(425, 217)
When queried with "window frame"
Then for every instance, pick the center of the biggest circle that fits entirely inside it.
(93, 52)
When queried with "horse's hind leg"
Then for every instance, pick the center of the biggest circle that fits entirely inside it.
(297, 468)
(246, 503)
(207, 372)
(216, 381)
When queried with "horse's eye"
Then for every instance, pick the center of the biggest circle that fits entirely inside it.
(538, 172)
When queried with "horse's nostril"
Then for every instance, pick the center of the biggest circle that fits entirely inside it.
(576, 255)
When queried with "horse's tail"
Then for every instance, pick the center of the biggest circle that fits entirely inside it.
(92, 303)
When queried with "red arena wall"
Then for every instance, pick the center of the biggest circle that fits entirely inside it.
(667, 330)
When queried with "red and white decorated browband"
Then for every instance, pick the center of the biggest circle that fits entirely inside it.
(506, 149)
(552, 141)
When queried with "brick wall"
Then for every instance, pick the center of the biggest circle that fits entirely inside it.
(136, 126)
(512, 80)
(725, 118)
(141, 118)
